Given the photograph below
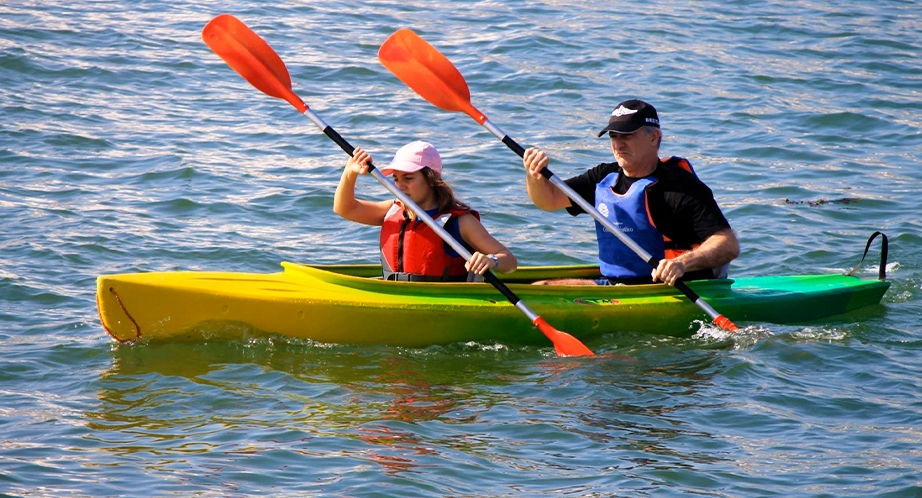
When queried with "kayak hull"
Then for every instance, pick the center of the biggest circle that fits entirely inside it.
(339, 304)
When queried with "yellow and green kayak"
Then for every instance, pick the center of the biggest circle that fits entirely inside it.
(345, 304)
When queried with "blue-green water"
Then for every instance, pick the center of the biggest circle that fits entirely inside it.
(126, 145)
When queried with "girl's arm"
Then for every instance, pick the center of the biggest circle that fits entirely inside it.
(344, 202)
(473, 232)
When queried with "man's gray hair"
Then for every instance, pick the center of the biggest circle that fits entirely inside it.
(650, 129)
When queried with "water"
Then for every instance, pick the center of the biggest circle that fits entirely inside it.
(126, 145)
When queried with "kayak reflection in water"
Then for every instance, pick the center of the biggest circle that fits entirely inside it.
(410, 249)
(660, 204)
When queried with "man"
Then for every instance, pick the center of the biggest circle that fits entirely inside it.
(659, 204)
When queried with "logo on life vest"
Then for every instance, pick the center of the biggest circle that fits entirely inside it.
(621, 228)
(622, 111)
(603, 210)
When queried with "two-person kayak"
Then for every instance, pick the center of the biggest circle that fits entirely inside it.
(345, 304)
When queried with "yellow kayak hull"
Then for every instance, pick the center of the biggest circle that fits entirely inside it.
(342, 305)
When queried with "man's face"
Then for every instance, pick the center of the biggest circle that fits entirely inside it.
(635, 151)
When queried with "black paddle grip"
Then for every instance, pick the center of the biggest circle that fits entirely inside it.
(518, 149)
(512, 144)
(680, 285)
(340, 141)
(501, 287)
(690, 294)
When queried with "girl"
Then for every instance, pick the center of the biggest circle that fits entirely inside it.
(410, 250)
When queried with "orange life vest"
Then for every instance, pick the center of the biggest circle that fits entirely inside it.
(412, 251)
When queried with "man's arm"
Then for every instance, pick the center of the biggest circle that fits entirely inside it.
(717, 250)
(541, 192)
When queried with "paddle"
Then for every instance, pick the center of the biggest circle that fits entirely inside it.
(257, 62)
(424, 69)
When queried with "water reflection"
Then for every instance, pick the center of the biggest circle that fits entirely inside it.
(248, 398)
(404, 410)
(648, 411)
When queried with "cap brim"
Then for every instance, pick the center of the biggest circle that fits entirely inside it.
(610, 128)
(403, 168)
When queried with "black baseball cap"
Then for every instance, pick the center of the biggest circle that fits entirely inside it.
(629, 116)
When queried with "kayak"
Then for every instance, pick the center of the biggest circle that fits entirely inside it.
(346, 304)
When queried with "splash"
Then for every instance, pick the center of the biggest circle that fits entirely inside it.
(476, 346)
(820, 334)
(745, 337)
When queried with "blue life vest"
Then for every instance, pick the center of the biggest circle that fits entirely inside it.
(629, 213)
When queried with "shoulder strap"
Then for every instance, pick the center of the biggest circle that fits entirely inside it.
(679, 162)
(458, 212)
(882, 273)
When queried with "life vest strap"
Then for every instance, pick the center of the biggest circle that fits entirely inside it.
(410, 277)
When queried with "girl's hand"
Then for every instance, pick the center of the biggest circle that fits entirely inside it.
(359, 161)
(480, 263)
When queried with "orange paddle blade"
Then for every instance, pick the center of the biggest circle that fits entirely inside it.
(429, 73)
(564, 343)
(248, 54)
(725, 323)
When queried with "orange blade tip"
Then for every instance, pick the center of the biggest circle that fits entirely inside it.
(426, 71)
(251, 57)
(725, 323)
(564, 343)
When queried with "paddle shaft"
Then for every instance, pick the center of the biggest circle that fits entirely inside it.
(451, 241)
(719, 319)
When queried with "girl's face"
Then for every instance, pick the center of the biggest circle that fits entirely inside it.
(416, 187)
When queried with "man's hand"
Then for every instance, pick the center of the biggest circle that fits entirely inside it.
(534, 161)
(668, 271)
